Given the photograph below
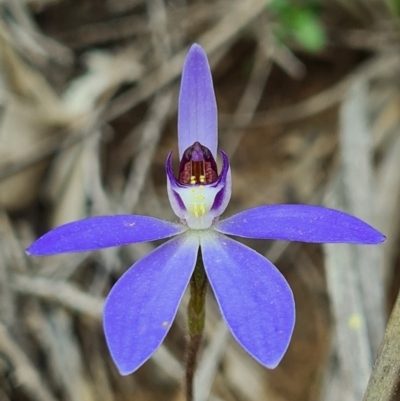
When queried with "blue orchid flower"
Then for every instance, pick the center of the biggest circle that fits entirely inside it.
(255, 299)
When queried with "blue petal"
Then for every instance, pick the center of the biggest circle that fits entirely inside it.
(197, 112)
(143, 303)
(102, 232)
(255, 299)
(300, 223)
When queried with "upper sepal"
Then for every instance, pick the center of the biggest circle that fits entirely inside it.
(304, 223)
(197, 112)
(102, 232)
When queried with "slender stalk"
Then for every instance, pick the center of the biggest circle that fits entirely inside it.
(196, 320)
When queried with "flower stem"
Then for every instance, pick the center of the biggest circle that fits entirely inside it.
(196, 320)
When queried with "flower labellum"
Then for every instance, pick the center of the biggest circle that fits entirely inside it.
(255, 299)
(199, 196)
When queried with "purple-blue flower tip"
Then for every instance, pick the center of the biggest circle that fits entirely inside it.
(197, 111)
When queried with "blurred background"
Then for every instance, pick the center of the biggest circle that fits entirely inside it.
(309, 102)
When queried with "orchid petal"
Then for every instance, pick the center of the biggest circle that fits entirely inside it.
(225, 182)
(102, 232)
(172, 185)
(300, 223)
(255, 299)
(197, 112)
(142, 305)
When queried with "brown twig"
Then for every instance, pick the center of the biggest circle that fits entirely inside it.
(61, 292)
(384, 379)
(26, 374)
(378, 65)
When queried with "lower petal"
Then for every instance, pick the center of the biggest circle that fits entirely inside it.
(255, 299)
(142, 305)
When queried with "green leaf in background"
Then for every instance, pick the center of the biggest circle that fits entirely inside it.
(299, 22)
(308, 31)
(394, 7)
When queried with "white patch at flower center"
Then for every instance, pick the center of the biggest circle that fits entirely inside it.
(198, 200)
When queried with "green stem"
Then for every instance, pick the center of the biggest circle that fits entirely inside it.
(196, 320)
